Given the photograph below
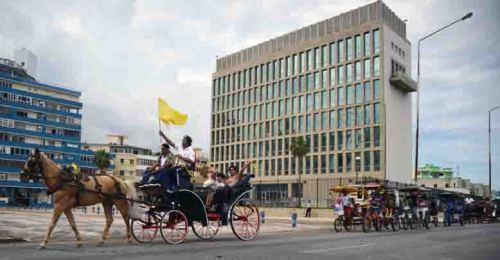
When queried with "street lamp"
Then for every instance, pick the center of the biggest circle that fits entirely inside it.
(357, 164)
(467, 16)
(489, 145)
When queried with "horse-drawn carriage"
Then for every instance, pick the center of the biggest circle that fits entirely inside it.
(172, 213)
(478, 211)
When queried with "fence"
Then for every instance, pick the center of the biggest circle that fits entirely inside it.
(315, 191)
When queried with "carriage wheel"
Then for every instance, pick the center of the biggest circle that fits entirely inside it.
(435, 220)
(245, 219)
(174, 227)
(206, 232)
(426, 221)
(337, 224)
(145, 231)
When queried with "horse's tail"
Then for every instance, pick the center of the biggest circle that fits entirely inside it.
(127, 187)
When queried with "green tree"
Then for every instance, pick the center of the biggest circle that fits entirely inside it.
(102, 160)
(299, 148)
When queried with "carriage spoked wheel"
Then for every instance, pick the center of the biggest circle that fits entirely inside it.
(206, 232)
(245, 219)
(145, 230)
(394, 223)
(174, 227)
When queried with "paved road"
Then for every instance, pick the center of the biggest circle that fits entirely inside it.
(468, 242)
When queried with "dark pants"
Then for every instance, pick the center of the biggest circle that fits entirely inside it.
(308, 212)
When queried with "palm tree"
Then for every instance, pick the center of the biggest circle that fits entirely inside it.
(102, 160)
(299, 148)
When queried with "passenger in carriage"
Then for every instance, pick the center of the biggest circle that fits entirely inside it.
(237, 178)
(165, 161)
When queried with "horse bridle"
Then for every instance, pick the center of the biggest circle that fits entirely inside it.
(35, 172)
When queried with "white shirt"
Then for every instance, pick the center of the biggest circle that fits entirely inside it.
(163, 160)
(188, 152)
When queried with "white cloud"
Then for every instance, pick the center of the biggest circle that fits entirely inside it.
(72, 25)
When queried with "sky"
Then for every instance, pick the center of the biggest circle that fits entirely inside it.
(122, 55)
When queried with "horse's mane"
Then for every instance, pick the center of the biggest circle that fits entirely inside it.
(48, 162)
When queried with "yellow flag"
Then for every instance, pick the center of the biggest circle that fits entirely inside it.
(170, 116)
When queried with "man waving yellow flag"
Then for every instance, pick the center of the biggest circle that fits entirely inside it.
(170, 116)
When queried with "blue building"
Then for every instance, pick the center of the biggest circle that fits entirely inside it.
(36, 115)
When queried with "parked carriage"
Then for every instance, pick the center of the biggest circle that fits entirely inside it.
(171, 214)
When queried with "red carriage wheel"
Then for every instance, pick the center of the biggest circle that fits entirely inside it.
(206, 232)
(144, 232)
(174, 227)
(245, 219)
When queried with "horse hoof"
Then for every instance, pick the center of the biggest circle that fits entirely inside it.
(102, 242)
(41, 246)
(78, 245)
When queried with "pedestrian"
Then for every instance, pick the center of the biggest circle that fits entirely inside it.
(308, 209)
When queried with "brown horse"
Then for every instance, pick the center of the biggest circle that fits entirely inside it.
(67, 195)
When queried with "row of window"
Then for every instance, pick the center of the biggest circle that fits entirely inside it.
(319, 143)
(52, 155)
(366, 161)
(57, 132)
(6, 137)
(5, 84)
(321, 100)
(283, 89)
(10, 97)
(315, 58)
(353, 117)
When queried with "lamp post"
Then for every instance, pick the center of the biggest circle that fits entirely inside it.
(357, 160)
(489, 145)
(465, 17)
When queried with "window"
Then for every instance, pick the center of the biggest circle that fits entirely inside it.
(316, 122)
(341, 51)
(376, 89)
(324, 121)
(367, 115)
(303, 57)
(348, 140)
(332, 120)
(317, 53)
(310, 60)
(122, 161)
(350, 49)
(366, 158)
(349, 73)
(376, 136)
(331, 137)
(309, 102)
(317, 81)
(350, 95)
(376, 66)
(296, 64)
(331, 163)
(308, 123)
(359, 93)
(367, 139)
(340, 163)
(340, 119)
(332, 98)
(341, 97)
(376, 41)
(357, 40)
(368, 94)
(333, 53)
(376, 160)
(340, 141)
(376, 113)
(332, 77)
(358, 71)
(348, 162)
(131, 161)
(324, 55)
(357, 139)
(359, 116)
(350, 117)
(367, 72)
(340, 75)
(324, 79)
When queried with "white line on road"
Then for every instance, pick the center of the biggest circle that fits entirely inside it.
(323, 250)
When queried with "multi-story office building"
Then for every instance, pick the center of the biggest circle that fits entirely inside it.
(36, 115)
(343, 84)
(129, 161)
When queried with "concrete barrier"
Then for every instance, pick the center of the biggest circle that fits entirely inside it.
(301, 212)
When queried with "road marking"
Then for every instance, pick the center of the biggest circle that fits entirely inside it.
(333, 249)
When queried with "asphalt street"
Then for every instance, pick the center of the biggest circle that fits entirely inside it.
(468, 242)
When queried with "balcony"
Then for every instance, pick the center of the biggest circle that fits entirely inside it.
(403, 82)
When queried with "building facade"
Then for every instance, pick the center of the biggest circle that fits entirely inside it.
(437, 177)
(36, 115)
(343, 84)
(129, 161)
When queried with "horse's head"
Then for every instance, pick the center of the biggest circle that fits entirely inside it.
(33, 168)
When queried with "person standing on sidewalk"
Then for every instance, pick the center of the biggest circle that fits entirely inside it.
(308, 209)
